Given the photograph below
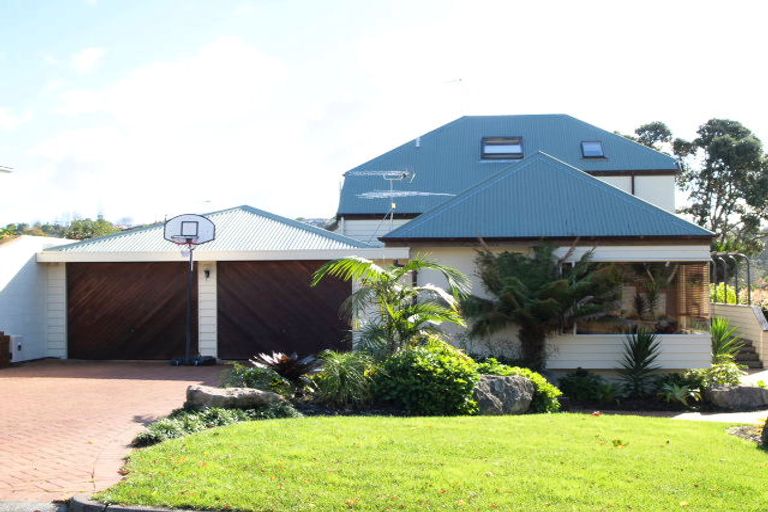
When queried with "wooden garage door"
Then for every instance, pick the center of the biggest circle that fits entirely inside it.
(266, 306)
(128, 310)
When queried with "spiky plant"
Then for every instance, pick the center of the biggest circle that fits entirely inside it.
(726, 342)
(641, 349)
(291, 367)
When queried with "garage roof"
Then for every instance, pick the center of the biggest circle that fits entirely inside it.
(242, 232)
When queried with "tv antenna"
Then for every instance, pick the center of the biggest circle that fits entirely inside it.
(189, 231)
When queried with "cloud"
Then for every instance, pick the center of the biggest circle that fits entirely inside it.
(87, 60)
(10, 121)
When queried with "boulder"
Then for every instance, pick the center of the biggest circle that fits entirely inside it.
(738, 398)
(504, 395)
(229, 398)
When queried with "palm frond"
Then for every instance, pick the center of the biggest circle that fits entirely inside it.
(347, 269)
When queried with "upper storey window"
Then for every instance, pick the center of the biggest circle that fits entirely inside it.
(502, 148)
(592, 149)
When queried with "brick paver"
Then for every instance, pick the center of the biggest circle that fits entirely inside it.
(65, 425)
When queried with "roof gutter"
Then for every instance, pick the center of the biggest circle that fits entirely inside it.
(373, 253)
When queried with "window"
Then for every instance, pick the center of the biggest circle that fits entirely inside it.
(592, 149)
(502, 148)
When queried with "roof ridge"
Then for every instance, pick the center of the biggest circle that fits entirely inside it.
(305, 226)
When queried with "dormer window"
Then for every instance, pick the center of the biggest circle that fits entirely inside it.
(502, 148)
(592, 149)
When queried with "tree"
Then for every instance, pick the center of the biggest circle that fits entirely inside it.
(726, 175)
(536, 294)
(398, 313)
(655, 135)
(81, 229)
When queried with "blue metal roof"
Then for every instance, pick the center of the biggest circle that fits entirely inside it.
(544, 197)
(242, 228)
(447, 160)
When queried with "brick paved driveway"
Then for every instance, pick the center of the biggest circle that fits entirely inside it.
(65, 425)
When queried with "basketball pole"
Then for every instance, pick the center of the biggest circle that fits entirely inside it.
(190, 284)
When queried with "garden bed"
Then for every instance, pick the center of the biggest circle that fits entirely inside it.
(534, 462)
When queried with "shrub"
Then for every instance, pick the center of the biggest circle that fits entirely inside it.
(430, 379)
(184, 421)
(638, 364)
(546, 396)
(582, 386)
(721, 374)
(726, 343)
(266, 379)
(681, 393)
(345, 379)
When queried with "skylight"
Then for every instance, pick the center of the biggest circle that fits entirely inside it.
(592, 149)
(502, 148)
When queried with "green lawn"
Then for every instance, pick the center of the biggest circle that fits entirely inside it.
(553, 462)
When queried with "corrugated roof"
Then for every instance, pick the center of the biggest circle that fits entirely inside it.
(447, 160)
(544, 197)
(242, 228)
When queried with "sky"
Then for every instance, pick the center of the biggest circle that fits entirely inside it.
(138, 110)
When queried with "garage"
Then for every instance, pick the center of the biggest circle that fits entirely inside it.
(267, 306)
(123, 296)
(128, 310)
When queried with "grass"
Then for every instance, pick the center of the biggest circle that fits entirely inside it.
(559, 462)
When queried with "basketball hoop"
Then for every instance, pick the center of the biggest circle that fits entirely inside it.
(189, 231)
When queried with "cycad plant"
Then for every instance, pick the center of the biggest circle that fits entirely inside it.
(540, 295)
(641, 349)
(726, 342)
(394, 311)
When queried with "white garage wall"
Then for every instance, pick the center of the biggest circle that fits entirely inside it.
(23, 295)
(56, 310)
(207, 337)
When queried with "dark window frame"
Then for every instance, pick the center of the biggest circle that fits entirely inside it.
(502, 141)
(602, 149)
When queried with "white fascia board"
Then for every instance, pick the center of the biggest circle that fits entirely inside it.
(641, 253)
(382, 253)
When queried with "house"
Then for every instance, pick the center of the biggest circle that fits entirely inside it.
(510, 182)
(123, 296)
(24, 296)
(503, 182)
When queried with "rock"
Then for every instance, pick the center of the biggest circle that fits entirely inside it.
(764, 438)
(229, 398)
(504, 395)
(739, 398)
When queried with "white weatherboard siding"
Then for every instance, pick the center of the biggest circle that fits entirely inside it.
(368, 230)
(750, 322)
(658, 190)
(56, 311)
(602, 351)
(207, 309)
(620, 182)
(23, 291)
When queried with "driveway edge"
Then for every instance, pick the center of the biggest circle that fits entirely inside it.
(85, 504)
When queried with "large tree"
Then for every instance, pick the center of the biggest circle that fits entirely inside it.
(540, 295)
(725, 174)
